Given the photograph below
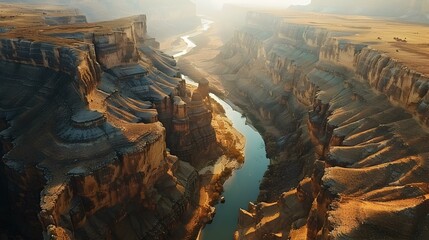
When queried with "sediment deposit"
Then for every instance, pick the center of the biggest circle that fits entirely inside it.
(347, 101)
(84, 153)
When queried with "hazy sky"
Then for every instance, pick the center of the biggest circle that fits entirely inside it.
(285, 3)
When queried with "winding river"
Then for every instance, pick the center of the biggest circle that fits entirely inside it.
(243, 186)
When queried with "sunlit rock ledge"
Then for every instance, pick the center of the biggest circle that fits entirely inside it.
(83, 148)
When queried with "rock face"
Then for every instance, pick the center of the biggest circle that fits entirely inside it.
(367, 122)
(191, 128)
(83, 148)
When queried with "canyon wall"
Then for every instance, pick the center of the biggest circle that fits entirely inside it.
(84, 153)
(365, 114)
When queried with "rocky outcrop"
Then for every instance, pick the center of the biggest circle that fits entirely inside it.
(367, 122)
(84, 153)
(191, 128)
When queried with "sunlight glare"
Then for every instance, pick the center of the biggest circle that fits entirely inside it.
(280, 3)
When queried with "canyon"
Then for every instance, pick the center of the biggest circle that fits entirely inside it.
(341, 103)
(103, 137)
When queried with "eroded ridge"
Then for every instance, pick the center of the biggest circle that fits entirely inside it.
(367, 122)
(83, 148)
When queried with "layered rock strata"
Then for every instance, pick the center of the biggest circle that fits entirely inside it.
(84, 153)
(367, 122)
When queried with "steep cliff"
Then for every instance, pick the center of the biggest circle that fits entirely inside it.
(366, 118)
(84, 153)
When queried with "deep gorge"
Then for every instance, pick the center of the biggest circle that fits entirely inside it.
(348, 158)
(101, 137)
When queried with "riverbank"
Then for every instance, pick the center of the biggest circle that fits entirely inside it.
(213, 173)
